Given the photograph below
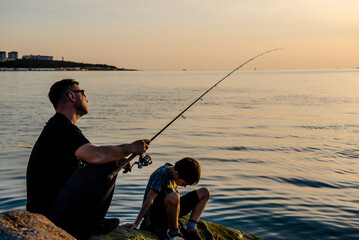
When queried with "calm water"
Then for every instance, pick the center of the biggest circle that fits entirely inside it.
(278, 149)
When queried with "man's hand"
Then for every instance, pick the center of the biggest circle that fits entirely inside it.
(106, 154)
(127, 168)
(140, 146)
(130, 225)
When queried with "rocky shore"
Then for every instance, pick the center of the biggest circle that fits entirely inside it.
(19, 224)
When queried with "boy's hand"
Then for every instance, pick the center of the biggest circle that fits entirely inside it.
(130, 225)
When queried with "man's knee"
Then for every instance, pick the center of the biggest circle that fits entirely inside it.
(172, 199)
(203, 193)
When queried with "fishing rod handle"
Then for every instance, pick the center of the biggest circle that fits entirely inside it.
(120, 166)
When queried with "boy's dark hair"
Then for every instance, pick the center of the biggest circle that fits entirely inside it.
(59, 89)
(189, 170)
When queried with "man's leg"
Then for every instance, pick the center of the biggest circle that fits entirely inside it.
(83, 201)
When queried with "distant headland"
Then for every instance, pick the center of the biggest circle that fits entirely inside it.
(46, 63)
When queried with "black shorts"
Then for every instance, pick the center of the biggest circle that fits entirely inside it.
(187, 203)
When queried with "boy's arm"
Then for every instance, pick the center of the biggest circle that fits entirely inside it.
(145, 207)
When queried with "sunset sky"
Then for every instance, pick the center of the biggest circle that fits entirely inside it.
(191, 34)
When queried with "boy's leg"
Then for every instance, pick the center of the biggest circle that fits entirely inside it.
(193, 202)
(172, 206)
(203, 197)
(196, 202)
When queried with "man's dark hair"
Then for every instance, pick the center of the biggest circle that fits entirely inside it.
(59, 89)
(189, 170)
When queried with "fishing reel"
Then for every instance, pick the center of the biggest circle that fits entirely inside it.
(143, 161)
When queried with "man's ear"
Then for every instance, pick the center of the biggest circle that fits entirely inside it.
(71, 96)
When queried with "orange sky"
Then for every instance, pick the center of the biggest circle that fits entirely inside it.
(197, 34)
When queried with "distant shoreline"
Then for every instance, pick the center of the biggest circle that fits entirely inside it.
(53, 65)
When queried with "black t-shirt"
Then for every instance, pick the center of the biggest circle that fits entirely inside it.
(52, 161)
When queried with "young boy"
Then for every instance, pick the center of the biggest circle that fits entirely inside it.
(163, 204)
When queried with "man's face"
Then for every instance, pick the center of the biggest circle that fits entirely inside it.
(81, 100)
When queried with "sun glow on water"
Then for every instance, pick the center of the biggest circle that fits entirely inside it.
(278, 149)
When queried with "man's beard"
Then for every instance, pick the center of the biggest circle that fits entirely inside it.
(81, 110)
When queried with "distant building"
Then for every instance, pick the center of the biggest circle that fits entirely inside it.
(2, 55)
(38, 57)
(12, 55)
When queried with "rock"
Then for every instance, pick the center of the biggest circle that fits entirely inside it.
(207, 230)
(122, 233)
(19, 224)
(23, 225)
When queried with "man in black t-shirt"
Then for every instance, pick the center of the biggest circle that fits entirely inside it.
(67, 175)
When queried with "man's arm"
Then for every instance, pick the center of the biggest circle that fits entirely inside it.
(145, 207)
(106, 154)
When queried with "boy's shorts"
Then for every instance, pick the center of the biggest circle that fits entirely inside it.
(187, 203)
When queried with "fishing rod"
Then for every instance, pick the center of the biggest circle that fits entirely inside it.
(146, 160)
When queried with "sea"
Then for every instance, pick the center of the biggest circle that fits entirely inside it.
(278, 149)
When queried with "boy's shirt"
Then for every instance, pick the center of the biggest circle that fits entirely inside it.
(162, 182)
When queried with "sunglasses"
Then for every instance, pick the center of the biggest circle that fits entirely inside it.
(80, 91)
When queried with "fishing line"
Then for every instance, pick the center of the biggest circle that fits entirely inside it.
(124, 163)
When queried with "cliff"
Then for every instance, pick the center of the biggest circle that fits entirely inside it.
(19, 224)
